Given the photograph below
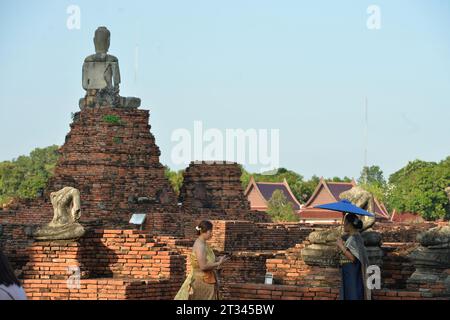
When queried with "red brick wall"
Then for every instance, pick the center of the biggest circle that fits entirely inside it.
(114, 264)
(246, 291)
(182, 224)
(290, 269)
(400, 232)
(213, 186)
(191, 220)
(17, 222)
(387, 294)
(396, 268)
(231, 235)
(247, 267)
(165, 224)
(106, 253)
(100, 289)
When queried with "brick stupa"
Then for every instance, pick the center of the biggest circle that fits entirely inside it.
(111, 156)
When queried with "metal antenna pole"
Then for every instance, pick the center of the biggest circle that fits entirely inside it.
(366, 125)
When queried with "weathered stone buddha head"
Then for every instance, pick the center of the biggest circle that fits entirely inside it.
(101, 40)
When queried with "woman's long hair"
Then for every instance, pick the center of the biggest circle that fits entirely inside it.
(7, 276)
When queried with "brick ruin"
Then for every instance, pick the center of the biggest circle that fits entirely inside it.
(211, 187)
(111, 156)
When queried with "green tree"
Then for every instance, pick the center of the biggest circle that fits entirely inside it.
(175, 178)
(245, 177)
(25, 176)
(420, 187)
(372, 175)
(308, 187)
(372, 180)
(280, 209)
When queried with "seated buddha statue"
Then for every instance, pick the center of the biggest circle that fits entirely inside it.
(101, 76)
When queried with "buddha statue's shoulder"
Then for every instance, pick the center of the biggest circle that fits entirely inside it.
(101, 58)
(90, 58)
(111, 58)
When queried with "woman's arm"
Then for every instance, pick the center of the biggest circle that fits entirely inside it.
(345, 251)
(200, 253)
(348, 254)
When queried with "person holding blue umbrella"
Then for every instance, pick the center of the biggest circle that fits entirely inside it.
(355, 263)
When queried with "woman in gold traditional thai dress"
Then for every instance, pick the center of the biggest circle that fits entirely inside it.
(202, 282)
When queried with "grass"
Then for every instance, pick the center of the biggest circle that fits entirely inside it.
(112, 119)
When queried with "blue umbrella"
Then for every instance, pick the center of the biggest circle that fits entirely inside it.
(346, 207)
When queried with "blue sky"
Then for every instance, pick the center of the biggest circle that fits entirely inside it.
(304, 67)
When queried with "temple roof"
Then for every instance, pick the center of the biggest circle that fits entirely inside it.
(266, 189)
(334, 189)
(337, 188)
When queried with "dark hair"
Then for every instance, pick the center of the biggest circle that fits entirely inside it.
(354, 221)
(203, 227)
(7, 276)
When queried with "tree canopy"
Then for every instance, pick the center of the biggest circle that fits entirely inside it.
(420, 187)
(372, 180)
(372, 176)
(175, 178)
(280, 209)
(25, 176)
